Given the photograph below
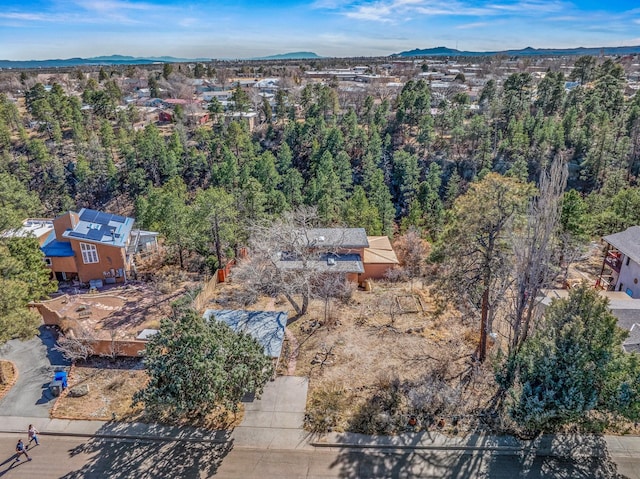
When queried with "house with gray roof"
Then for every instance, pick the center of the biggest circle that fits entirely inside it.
(621, 264)
(339, 250)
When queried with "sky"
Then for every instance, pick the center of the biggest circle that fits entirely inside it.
(36, 30)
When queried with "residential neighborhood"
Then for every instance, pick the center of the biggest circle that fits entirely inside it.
(331, 260)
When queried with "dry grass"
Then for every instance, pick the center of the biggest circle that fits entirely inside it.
(366, 360)
(111, 389)
(9, 374)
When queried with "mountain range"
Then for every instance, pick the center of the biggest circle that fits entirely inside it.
(129, 60)
(427, 52)
(291, 56)
(105, 60)
(529, 51)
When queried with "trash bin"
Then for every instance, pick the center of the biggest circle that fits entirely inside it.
(62, 377)
(55, 387)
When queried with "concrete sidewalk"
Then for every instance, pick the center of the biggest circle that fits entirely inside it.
(133, 430)
(275, 420)
(277, 438)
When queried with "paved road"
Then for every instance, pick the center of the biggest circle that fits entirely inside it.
(36, 362)
(364, 464)
(74, 458)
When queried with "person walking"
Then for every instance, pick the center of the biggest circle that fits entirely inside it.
(20, 450)
(33, 435)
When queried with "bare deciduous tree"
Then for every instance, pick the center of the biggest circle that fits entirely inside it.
(330, 286)
(533, 250)
(74, 349)
(412, 252)
(285, 259)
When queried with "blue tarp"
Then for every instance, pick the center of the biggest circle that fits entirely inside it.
(265, 326)
(57, 249)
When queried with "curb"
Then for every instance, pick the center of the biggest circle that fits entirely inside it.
(501, 450)
(415, 447)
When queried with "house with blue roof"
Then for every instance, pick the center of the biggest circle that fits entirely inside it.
(93, 245)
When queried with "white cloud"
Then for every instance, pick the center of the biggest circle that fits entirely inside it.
(395, 10)
(119, 11)
(188, 22)
(29, 17)
(530, 6)
(330, 4)
(469, 26)
(115, 5)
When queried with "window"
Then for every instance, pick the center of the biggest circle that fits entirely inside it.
(89, 253)
(627, 263)
(47, 261)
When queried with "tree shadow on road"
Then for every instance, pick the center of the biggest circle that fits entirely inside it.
(574, 457)
(10, 464)
(196, 453)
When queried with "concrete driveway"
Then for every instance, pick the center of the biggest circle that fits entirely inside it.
(36, 362)
(275, 420)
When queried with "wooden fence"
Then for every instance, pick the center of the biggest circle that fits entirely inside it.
(207, 292)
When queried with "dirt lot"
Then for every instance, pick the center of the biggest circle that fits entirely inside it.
(367, 361)
(111, 387)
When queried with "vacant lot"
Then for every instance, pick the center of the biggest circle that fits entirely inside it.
(111, 387)
(380, 357)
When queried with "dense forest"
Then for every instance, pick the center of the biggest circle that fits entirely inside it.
(386, 165)
(383, 165)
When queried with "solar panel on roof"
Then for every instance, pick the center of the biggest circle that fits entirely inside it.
(88, 215)
(118, 218)
(102, 218)
(94, 234)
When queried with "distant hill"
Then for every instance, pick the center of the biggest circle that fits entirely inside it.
(104, 60)
(529, 51)
(127, 59)
(290, 56)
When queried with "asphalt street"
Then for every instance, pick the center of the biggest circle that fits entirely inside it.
(74, 458)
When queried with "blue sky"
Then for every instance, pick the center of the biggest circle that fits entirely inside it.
(35, 29)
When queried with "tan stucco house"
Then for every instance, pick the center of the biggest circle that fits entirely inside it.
(89, 245)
